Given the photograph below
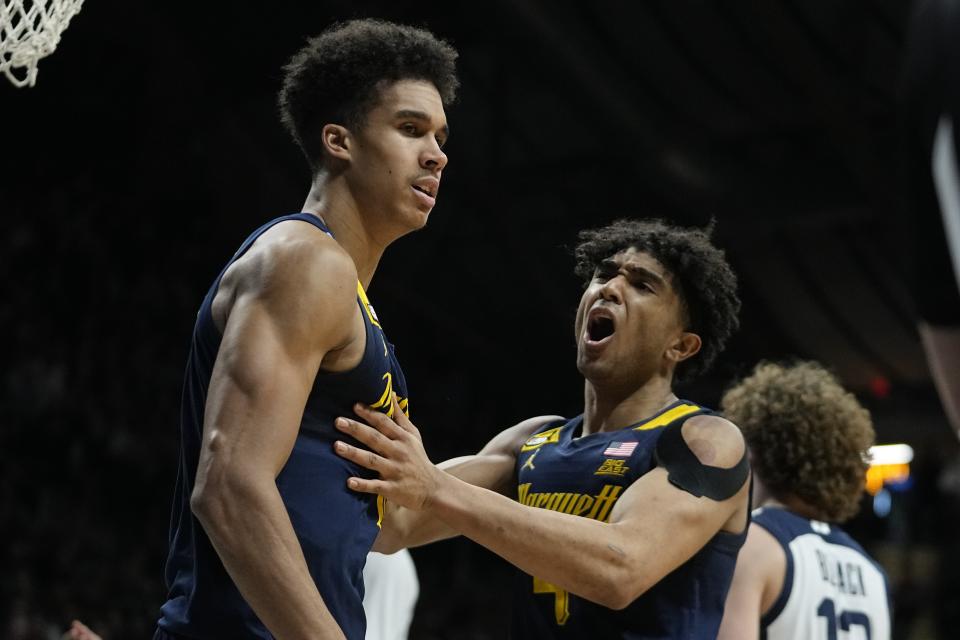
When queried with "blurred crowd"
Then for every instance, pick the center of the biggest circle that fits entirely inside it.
(89, 400)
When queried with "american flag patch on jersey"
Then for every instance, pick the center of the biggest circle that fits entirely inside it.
(620, 449)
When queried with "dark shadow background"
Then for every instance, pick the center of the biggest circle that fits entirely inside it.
(151, 147)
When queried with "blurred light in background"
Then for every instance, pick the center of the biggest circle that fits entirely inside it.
(890, 467)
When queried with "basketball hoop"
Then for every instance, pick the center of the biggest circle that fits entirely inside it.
(30, 30)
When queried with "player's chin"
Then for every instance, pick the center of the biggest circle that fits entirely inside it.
(418, 217)
(592, 367)
(407, 220)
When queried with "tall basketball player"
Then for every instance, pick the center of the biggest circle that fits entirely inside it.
(627, 519)
(799, 576)
(265, 539)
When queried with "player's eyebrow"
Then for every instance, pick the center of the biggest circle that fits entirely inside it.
(646, 274)
(609, 264)
(413, 114)
(635, 271)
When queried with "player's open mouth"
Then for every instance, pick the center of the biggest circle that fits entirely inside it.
(600, 326)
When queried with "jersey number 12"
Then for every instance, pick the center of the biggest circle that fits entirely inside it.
(846, 619)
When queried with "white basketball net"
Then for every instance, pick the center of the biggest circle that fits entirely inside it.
(30, 30)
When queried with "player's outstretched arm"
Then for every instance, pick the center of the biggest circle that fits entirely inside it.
(653, 529)
(292, 300)
(493, 467)
(757, 581)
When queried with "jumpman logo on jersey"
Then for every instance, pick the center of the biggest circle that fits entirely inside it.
(529, 463)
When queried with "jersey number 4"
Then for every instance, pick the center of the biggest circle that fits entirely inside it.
(561, 599)
(846, 619)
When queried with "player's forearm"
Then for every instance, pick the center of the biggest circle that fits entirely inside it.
(251, 532)
(403, 528)
(583, 556)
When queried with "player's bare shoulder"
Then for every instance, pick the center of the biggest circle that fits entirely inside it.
(706, 456)
(714, 440)
(301, 276)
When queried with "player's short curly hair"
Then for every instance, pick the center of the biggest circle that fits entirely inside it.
(699, 272)
(808, 437)
(337, 76)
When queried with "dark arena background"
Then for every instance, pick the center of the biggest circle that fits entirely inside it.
(151, 146)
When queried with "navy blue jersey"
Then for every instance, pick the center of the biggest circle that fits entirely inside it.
(335, 526)
(832, 588)
(585, 476)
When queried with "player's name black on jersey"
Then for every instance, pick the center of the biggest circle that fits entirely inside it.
(832, 588)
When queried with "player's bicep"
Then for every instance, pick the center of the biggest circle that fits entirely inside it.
(744, 606)
(662, 525)
(494, 471)
(257, 392)
(279, 329)
(741, 614)
(665, 526)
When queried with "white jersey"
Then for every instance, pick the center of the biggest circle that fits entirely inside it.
(390, 596)
(832, 590)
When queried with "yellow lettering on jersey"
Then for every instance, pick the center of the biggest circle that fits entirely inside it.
(605, 501)
(385, 403)
(381, 501)
(371, 314)
(583, 503)
(550, 436)
(612, 467)
(596, 507)
(666, 418)
(561, 599)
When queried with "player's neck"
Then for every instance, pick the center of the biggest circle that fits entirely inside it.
(763, 498)
(333, 203)
(609, 410)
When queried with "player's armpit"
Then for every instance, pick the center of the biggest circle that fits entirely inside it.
(757, 581)
(509, 441)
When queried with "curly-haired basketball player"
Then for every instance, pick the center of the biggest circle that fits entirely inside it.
(628, 518)
(799, 576)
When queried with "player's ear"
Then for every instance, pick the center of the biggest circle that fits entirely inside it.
(337, 142)
(686, 345)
